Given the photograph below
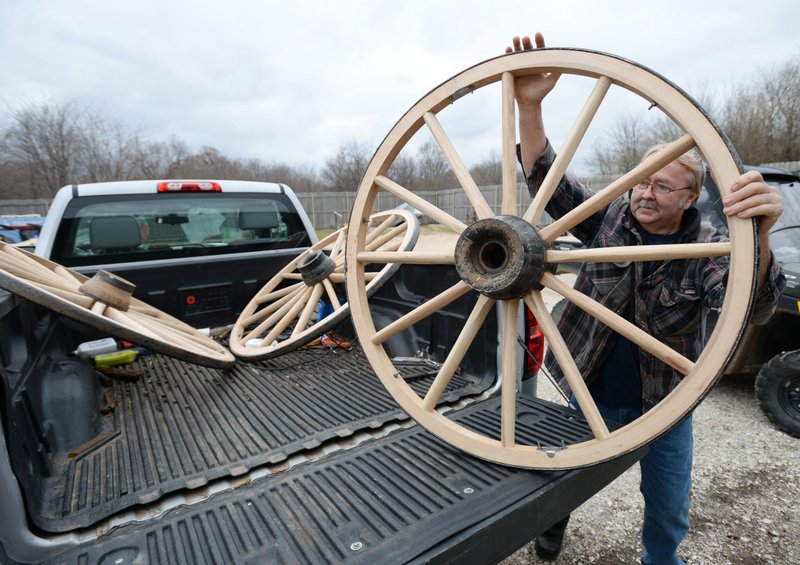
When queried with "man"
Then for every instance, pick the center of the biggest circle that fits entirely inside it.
(665, 298)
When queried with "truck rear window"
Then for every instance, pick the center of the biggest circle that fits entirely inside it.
(122, 229)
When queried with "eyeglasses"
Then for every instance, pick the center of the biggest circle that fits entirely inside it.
(657, 188)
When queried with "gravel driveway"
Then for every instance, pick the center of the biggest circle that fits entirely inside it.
(744, 500)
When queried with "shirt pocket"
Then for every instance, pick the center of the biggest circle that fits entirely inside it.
(677, 312)
(611, 282)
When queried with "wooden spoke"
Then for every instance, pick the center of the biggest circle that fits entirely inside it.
(338, 278)
(567, 364)
(62, 290)
(479, 204)
(460, 347)
(270, 309)
(509, 203)
(640, 253)
(617, 188)
(488, 261)
(407, 257)
(278, 320)
(421, 312)
(279, 294)
(567, 152)
(333, 298)
(508, 403)
(302, 321)
(620, 325)
(421, 204)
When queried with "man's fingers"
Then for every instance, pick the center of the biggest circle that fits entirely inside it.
(527, 44)
(524, 43)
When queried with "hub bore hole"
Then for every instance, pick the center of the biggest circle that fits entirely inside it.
(493, 256)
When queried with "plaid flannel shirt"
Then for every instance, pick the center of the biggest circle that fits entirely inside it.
(667, 303)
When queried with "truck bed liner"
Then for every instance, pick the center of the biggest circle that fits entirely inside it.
(181, 426)
(406, 498)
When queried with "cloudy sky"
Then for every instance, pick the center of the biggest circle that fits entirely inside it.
(291, 81)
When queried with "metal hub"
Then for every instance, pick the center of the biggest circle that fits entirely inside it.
(502, 257)
(316, 267)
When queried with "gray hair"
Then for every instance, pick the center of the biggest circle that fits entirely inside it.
(691, 160)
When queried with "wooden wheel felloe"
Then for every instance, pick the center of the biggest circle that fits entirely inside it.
(105, 302)
(505, 257)
(284, 315)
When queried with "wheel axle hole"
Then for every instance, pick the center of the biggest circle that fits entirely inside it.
(492, 256)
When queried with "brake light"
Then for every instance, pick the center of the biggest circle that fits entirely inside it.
(535, 344)
(189, 186)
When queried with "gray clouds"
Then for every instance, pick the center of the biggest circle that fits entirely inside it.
(293, 81)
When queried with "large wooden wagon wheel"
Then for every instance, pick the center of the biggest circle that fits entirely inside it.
(504, 255)
(105, 302)
(284, 315)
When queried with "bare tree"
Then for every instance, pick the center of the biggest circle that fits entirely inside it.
(761, 117)
(404, 171)
(343, 171)
(623, 148)
(433, 170)
(41, 141)
(488, 172)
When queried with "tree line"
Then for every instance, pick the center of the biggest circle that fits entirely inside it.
(48, 145)
(45, 146)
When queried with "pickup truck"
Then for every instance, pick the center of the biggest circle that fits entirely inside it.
(300, 458)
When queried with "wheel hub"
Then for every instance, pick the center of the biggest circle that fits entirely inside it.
(316, 267)
(502, 257)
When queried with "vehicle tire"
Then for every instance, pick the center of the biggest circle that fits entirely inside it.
(778, 391)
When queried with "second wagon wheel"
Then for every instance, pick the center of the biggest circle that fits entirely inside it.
(505, 257)
(284, 314)
(105, 302)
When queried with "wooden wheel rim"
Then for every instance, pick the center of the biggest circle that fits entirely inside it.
(607, 70)
(57, 288)
(259, 309)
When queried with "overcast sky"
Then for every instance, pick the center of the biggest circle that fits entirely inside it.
(291, 81)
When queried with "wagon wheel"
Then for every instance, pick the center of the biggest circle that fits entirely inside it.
(505, 257)
(105, 302)
(283, 315)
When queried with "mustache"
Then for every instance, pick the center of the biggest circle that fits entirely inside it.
(653, 205)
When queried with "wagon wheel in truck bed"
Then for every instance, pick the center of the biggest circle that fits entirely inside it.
(505, 257)
(105, 302)
(284, 314)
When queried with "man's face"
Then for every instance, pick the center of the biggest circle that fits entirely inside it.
(658, 213)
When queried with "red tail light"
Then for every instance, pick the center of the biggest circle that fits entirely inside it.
(535, 343)
(189, 186)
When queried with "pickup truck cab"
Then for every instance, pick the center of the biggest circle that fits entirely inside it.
(300, 458)
(195, 249)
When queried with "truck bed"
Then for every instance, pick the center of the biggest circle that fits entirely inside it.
(304, 458)
(406, 498)
(180, 426)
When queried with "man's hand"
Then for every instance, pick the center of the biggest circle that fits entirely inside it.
(751, 197)
(531, 89)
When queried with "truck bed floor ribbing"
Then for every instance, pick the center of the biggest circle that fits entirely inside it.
(406, 498)
(181, 426)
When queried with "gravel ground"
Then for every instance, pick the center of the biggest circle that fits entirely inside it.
(744, 502)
